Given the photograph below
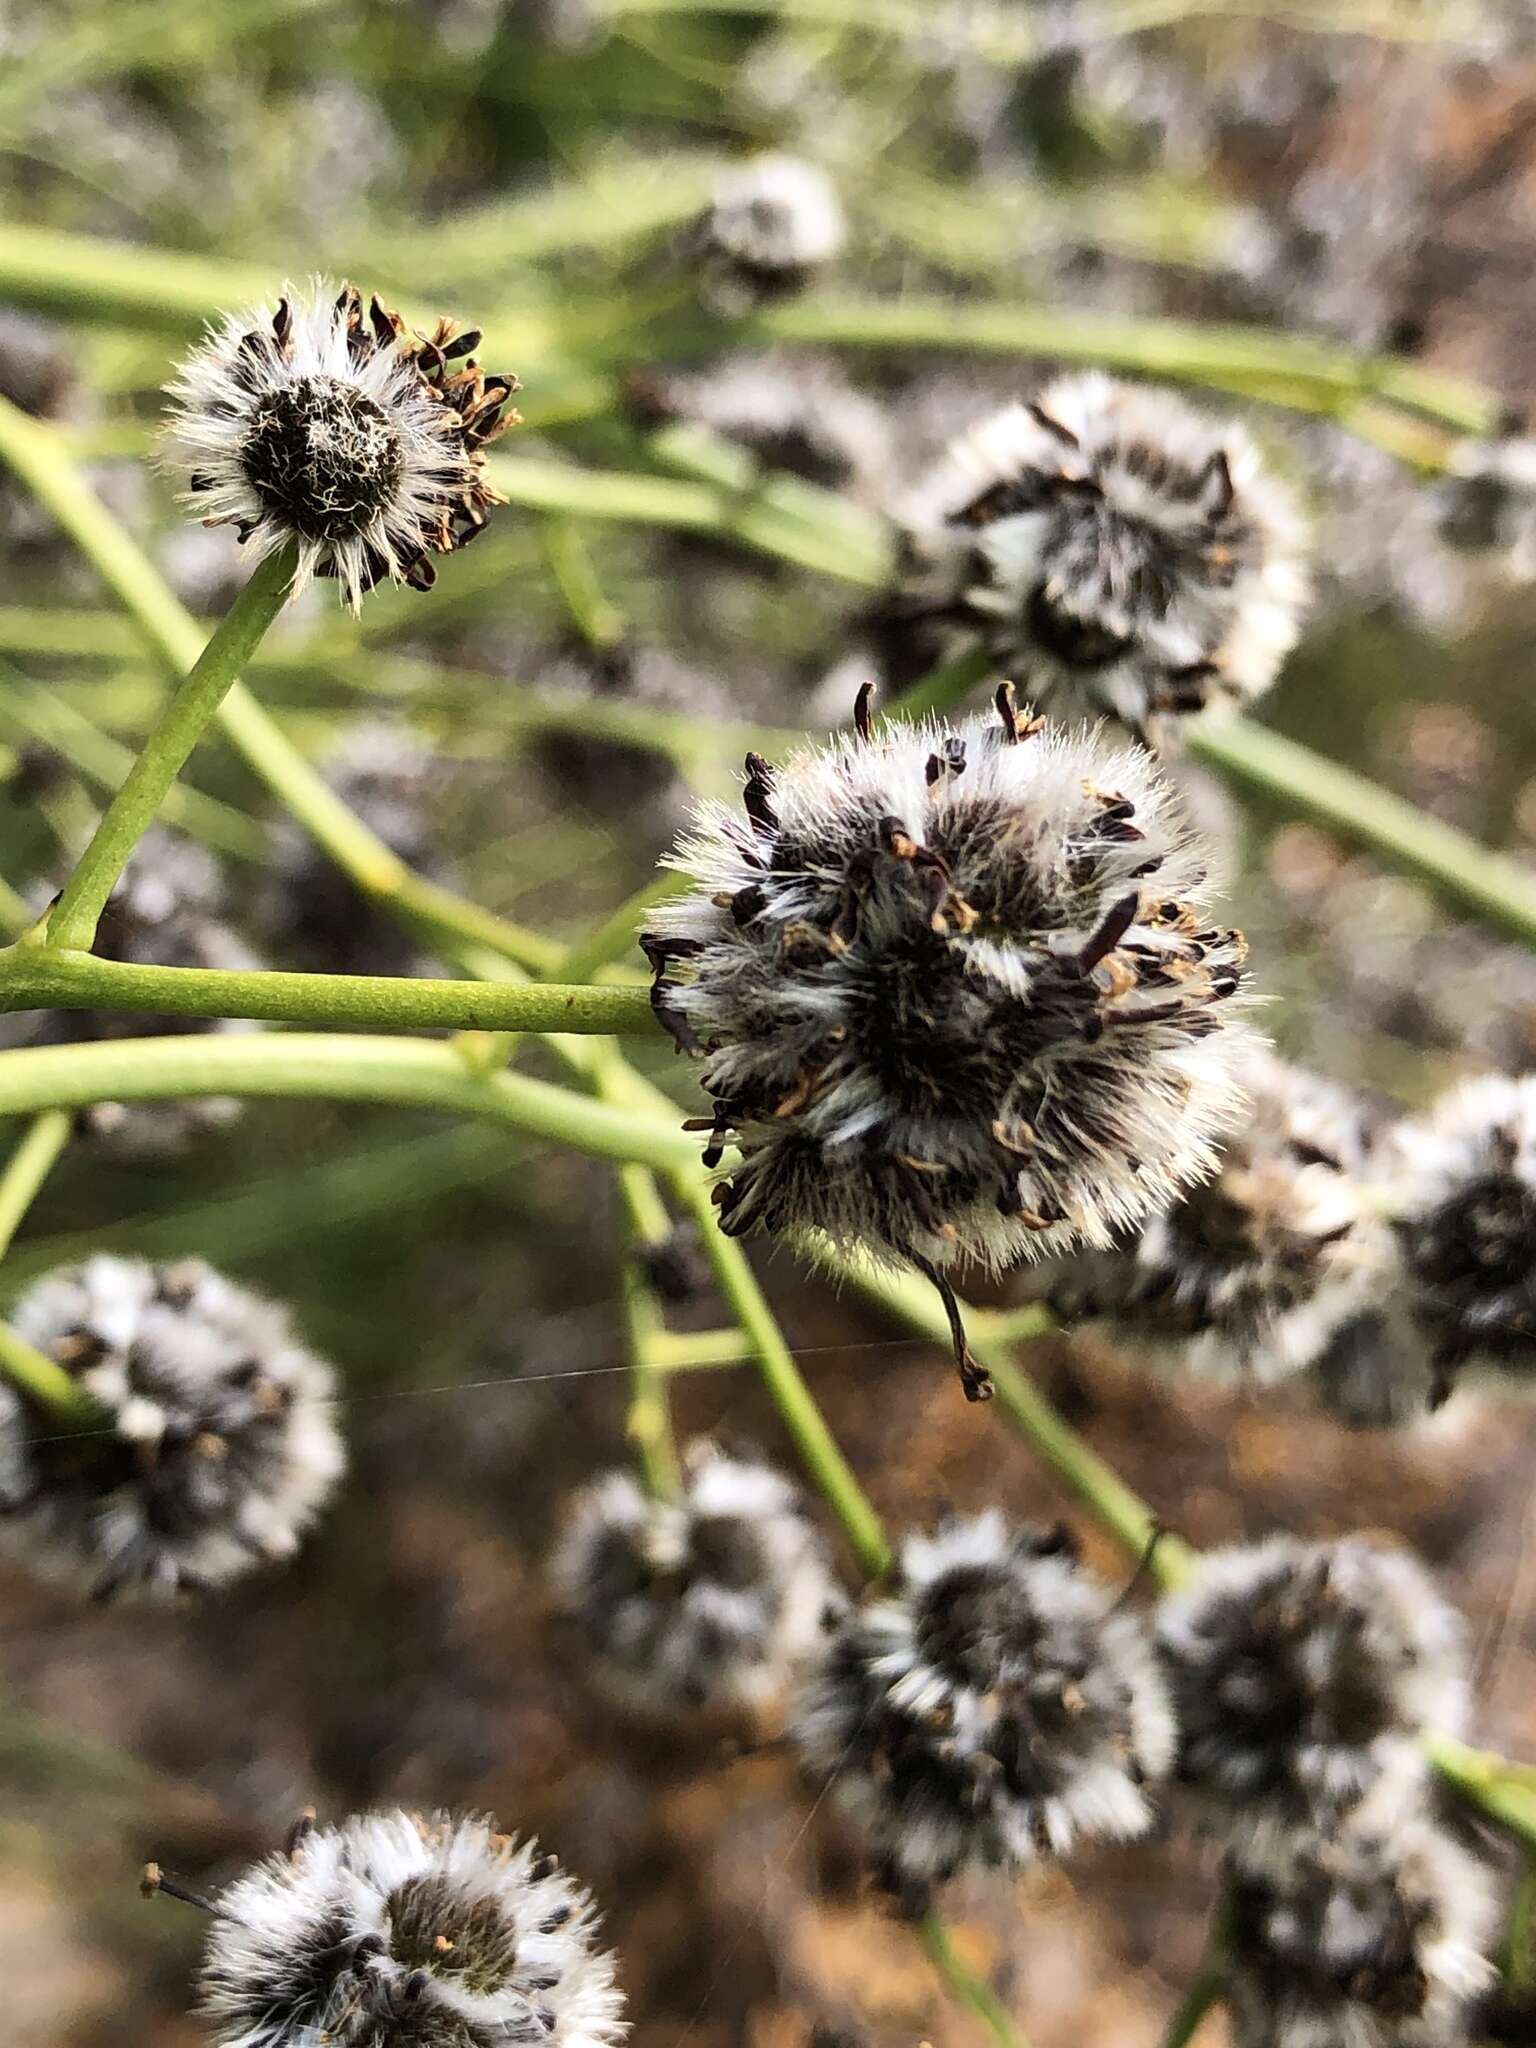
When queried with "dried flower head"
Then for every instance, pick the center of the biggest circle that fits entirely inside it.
(714, 1600)
(991, 1708)
(219, 1444)
(1120, 552)
(1367, 1936)
(329, 425)
(394, 1929)
(1303, 1675)
(169, 909)
(957, 991)
(312, 914)
(772, 223)
(1249, 1275)
(1463, 1190)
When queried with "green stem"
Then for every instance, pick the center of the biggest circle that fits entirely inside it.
(1455, 866)
(1505, 1792)
(794, 1401)
(185, 719)
(1208, 1987)
(46, 1384)
(28, 1167)
(339, 1065)
(649, 1423)
(1520, 1943)
(1257, 362)
(35, 978)
(702, 1350)
(968, 1985)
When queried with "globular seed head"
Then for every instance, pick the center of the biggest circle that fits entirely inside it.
(713, 1601)
(1303, 1675)
(772, 223)
(392, 1928)
(991, 1708)
(1251, 1274)
(326, 424)
(1461, 1183)
(1121, 553)
(219, 1445)
(1372, 1935)
(957, 991)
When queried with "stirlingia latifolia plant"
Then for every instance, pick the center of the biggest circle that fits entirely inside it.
(948, 998)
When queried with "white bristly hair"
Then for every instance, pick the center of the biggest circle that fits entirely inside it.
(716, 1600)
(328, 425)
(957, 991)
(220, 1444)
(992, 1708)
(1121, 552)
(438, 1932)
(1303, 1676)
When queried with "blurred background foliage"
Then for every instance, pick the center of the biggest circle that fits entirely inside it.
(1331, 182)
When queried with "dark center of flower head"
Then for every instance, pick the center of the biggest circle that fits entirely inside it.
(975, 1619)
(323, 457)
(435, 1926)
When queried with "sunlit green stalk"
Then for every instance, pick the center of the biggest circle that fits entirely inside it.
(45, 1384)
(37, 978)
(28, 1167)
(341, 1066)
(967, 1984)
(1455, 866)
(185, 719)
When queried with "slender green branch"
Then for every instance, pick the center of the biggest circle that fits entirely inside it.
(45, 1384)
(599, 623)
(703, 1350)
(1208, 1987)
(1286, 369)
(28, 1167)
(1520, 1940)
(649, 1423)
(1455, 866)
(185, 719)
(37, 978)
(794, 1401)
(1505, 1792)
(339, 1065)
(968, 1984)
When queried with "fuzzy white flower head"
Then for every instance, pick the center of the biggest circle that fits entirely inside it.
(326, 424)
(992, 1708)
(1250, 1275)
(1303, 1675)
(1462, 1184)
(773, 221)
(220, 1444)
(1121, 553)
(394, 1929)
(957, 990)
(715, 1600)
(1366, 1936)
